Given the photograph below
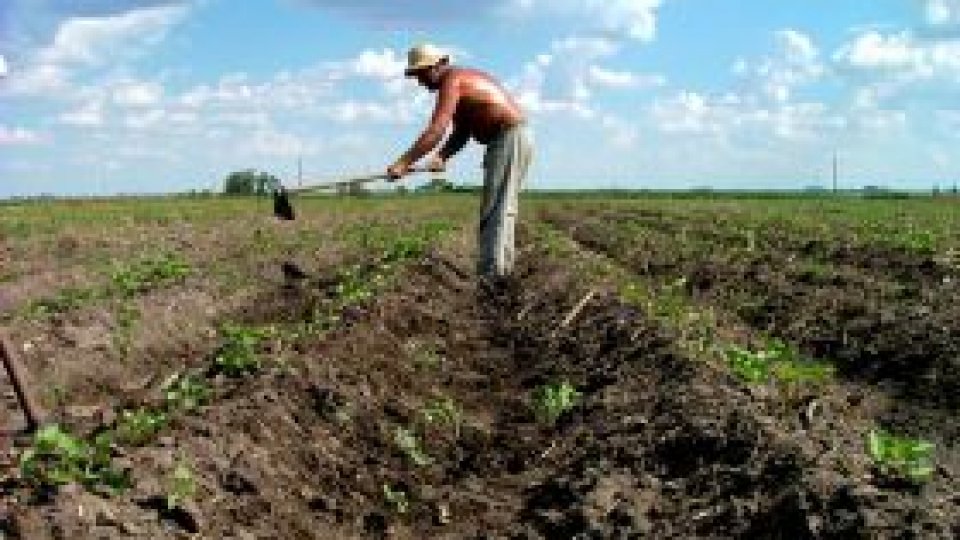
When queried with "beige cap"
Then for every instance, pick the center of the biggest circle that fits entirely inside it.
(424, 56)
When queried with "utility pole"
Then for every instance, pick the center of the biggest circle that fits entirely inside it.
(299, 171)
(834, 172)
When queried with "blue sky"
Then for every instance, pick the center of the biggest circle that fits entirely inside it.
(118, 96)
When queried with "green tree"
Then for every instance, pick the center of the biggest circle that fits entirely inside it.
(249, 182)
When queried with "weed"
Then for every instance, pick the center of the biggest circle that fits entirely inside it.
(58, 458)
(396, 500)
(550, 401)
(424, 356)
(65, 300)
(182, 485)
(443, 411)
(137, 427)
(185, 392)
(237, 355)
(777, 360)
(409, 444)
(901, 457)
(148, 274)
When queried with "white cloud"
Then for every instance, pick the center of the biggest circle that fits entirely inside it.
(3, 66)
(600, 77)
(137, 94)
(943, 12)
(145, 119)
(88, 115)
(91, 40)
(633, 19)
(384, 64)
(18, 136)
(796, 63)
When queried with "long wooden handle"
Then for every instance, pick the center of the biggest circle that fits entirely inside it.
(18, 377)
(349, 180)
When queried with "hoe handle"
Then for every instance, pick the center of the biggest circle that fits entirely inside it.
(350, 180)
(17, 374)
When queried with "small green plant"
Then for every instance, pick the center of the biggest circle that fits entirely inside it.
(550, 401)
(139, 426)
(65, 300)
(396, 500)
(423, 355)
(901, 457)
(185, 392)
(750, 366)
(182, 485)
(777, 360)
(149, 273)
(58, 458)
(238, 355)
(443, 411)
(409, 444)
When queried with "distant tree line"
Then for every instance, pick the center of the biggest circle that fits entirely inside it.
(249, 182)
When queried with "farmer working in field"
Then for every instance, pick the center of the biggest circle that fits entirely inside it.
(477, 107)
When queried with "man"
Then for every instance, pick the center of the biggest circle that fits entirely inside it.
(477, 107)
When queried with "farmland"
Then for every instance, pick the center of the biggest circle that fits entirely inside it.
(659, 367)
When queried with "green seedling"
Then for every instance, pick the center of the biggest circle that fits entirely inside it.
(238, 355)
(409, 444)
(901, 457)
(423, 355)
(137, 427)
(444, 412)
(182, 485)
(779, 361)
(148, 274)
(186, 392)
(58, 458)
(551, 401)
(65, 300)
(396, 500)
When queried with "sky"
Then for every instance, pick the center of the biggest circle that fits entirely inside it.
(156, 96)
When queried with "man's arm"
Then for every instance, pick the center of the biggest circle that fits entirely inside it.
(439, 122)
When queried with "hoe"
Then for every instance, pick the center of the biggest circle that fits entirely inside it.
(281, 195)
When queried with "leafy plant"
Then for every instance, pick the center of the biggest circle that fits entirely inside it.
(137, 427)
(397, 500)
(901, 457)
(443, 411)
(238, 355)
(65, 300)
(409, 444)
(182, 485)
(185, 392)
(149, 273)
(58, 458)
(552, 400)
(776, 360)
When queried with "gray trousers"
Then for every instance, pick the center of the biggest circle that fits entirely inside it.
(505, 167)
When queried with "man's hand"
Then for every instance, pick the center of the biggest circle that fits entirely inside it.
(398, 170)
(437, 164)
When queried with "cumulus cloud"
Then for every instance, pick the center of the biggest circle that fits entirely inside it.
(796, 62)
(3, 66)
(88, 115)
(17, 136)
(394, 14)
(92, 40)
(634, 19)
(137, 94)
(942, 12)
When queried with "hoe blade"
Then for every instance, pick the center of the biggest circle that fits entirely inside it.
(281, 205)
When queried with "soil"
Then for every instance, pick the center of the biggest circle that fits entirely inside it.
(659, 444)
